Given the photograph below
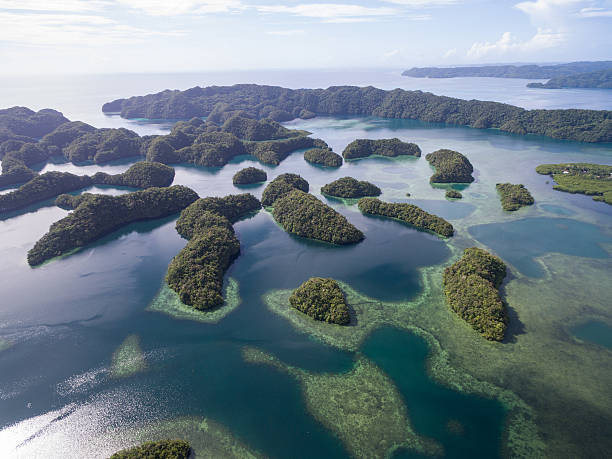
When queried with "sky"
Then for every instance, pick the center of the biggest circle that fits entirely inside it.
(108, 36)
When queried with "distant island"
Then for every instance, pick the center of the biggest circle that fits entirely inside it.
(601, 79)
(513, 197)
(349, 187)
(472, 286)
(281, 104)
(323, 157)
(451, 167)
(322, 299)
(584, 178)
(362, 148)
(510, 71)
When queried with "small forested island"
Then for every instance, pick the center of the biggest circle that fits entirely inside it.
(51, 184)
(362, 148)
(472, 286)
(349, 187)
(453, 194)
(196, 273)
(282, 104)
(282, 185)
(509, 71)
(304, 215)
(601, 79)
(249, 176)
(451, 167)
(323, 157)
(513, 197)
(322, 299)
(97, 215)
(590, 179)
(407, 213)
(162, 449)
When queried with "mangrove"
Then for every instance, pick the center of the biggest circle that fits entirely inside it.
(584, 178)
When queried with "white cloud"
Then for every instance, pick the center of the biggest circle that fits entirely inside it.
(390, 54)
(593, 12)
(450, 53)
(331, 12)
(179, 7)
(285, 32)
(54, 5)
(508, 44)
(423, 3)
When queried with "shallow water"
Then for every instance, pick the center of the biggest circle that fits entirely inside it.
(61, 323)
(594, 332)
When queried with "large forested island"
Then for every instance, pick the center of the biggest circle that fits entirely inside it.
(472, 286)
(323, 157)
(451, 167)
(322, 299)
(509, 71)
(196, 273)
(282, 104)
(362, 148)
(97, 215)
(601, 79)
(349, 187)
(584, 178)
(408, 213)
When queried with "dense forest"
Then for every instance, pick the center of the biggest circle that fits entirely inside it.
(162, 449)
(584, 178)
(407, 213)
(281, 104)
(451, 167)
(349, 187)
(453, 194)
(97, 215)
(472, 286)
(362, 148)
(282, 185)
(323, 157)
(249, 176)
(142, 174)
(196, 273)
(322, 299)
(513, 197)
(510, 71)
(601, 79)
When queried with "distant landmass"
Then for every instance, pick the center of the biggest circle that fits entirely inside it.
(511, 71)
(601, 79)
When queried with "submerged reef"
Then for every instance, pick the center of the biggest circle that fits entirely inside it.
(249, 175)
(322, 299)
(282, 185)
(472, 286)
(161, 449)
(282, 104)
(196, 273)
(323, 157)
(348, 187)
(304, 215)
(451, 167)
(98, 215)
(362, 407)
(362, 148)
(128, 359)
(408, 213)
(513, 197)
(584, 178)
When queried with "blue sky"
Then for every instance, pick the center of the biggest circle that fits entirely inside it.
(91, 36)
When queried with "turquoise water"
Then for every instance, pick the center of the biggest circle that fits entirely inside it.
(594, 332)
(64, 320)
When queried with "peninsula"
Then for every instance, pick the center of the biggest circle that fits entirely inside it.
(584, 178)
(601, 79)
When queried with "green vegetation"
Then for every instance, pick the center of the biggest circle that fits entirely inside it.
(98, 215)
(323, 157)
(162, 449)
(322, 299)
(143, 174)
(513, 197)
(196, 273)
(251, 129)
(451, 167)
(284, 104)
(509, 71)
(362, 148)
(274, 151)
(590, 179)
(42, 187)
(407, 213)
(282, 185)
(249, 175)
(348, 187)
(24, 124)
(103, 145)
(601, 79)
(472, 286)
(453, 194)
(304, 215)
